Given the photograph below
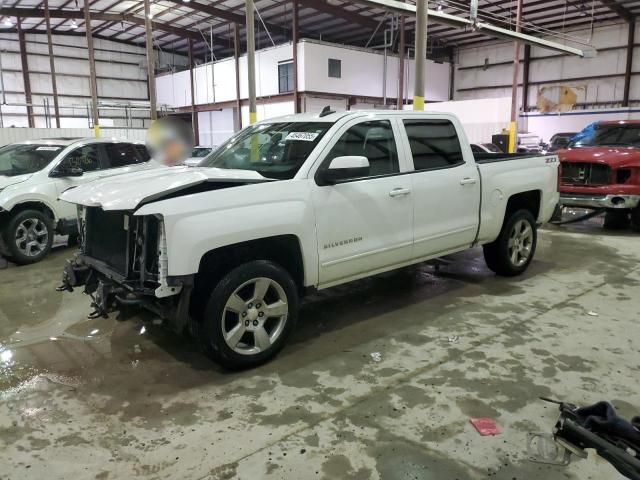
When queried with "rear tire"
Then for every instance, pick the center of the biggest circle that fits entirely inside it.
(249, 316)
(616, 219)
(28, 236)
(511, 253)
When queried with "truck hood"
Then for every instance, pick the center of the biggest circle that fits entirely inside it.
(615, 157)
(127, 192)
(8, 181)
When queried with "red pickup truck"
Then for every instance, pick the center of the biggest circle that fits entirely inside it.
(601, 169)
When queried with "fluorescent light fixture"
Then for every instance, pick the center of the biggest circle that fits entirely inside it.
(8, 22)
(74, 24)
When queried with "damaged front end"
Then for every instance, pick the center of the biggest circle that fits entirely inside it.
(123, 262)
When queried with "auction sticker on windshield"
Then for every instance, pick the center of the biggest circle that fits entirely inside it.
(304, 136)
(48, 149)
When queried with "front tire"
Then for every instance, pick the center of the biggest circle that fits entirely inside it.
(28, 236)
(616, 219)
(511, 253)
(250, 315)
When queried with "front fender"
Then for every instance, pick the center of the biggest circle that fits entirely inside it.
(284, 209)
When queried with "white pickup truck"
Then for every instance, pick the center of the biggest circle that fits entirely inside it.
(301, 202)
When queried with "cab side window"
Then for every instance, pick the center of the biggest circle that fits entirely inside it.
(374, 140)
(434, 143)
(120, 155)
(87, 158)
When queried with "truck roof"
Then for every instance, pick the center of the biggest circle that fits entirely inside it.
(335, 116)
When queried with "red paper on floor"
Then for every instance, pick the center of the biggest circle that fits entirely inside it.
(485, 426)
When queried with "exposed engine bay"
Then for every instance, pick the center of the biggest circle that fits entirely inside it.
(123, 261)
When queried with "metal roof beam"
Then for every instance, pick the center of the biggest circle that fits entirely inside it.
(109, 17)
(483, 27)
(619, 9)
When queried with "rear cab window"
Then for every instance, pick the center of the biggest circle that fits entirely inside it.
(434, 143)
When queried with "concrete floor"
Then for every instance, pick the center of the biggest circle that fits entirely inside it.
(106, 399)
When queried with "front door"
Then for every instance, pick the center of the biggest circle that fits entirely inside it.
(89, 159)
(364, 224)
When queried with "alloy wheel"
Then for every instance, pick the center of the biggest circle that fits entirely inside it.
(254, 316)
(520, 243)
(32, 236)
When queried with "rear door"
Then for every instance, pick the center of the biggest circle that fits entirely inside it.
(445, 185)
(364, 224)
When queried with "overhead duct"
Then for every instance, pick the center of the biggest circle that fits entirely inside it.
(488, 29)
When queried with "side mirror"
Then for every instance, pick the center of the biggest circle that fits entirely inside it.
(66, 172)
(345, 168)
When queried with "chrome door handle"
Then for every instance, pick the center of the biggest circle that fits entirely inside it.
(398, 192)
(468, 181)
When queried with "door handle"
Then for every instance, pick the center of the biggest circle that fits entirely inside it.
(468, 181)
(399, 192)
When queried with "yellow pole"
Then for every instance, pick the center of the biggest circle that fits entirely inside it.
(512, 137)
(421, 54)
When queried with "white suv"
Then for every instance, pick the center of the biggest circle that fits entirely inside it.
(33, 174)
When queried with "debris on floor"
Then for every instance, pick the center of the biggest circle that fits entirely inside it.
(485, 426)
(592, 313)
(453, 339)
(376, 356)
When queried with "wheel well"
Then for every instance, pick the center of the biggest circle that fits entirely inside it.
(283, 249)
(526, 200)
(41, 207)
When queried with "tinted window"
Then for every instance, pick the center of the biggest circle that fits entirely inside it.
(373, 140)
(120, 154)
(434, 143)
(87, 158)
(476, 148)
(143, 153)
(285, 77)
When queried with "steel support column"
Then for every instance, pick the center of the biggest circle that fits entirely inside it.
(151, 72)
(514, 84)
(236, 58)
(421, 54)
(401, 53)
(525, 77)
(251, 60)
(52, 66)
(194, 114)
(25, 73)
(627, 72)
(93, 84)
(294, 41)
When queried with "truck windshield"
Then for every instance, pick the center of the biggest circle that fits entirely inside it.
(274, 150)
(23, 159)
(621, 134)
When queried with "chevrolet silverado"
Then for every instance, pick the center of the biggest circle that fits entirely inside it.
(298, 203)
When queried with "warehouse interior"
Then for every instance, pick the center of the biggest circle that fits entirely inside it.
(293, 239)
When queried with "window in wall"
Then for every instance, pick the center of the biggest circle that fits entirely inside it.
(434, 143)
(373, 140)
(335, 68)
(285, 77)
